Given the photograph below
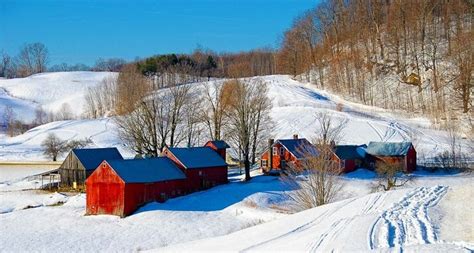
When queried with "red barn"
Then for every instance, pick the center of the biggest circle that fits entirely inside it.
(218, 146)
(284, 152)
(119, 187)
(392, 152)
(204, 167)
(349, 157)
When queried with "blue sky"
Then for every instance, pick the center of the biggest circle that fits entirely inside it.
(83, 30)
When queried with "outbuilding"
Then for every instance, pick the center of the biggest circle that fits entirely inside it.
(81, 163)
(204, 167)
(119, 187)
(392, 153)
(350, 157)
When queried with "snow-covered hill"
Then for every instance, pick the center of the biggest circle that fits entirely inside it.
(50, 90)
(295, 106)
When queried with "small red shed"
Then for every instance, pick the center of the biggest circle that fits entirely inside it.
(392, 152)
(203, 166)
(284, 152)
(119, 187)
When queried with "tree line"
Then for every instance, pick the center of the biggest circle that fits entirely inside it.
(415, 56)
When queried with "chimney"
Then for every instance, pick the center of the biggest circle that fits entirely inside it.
(270, 154)
(295, 136)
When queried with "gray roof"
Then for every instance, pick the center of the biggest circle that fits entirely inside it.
(388, 148)
(146, 170)
(198, 157)
(219, 144)
(350, 152)
(299, 147)
(90, 158)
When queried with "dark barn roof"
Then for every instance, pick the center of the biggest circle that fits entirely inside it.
(219, 144)
(146, 170)
(92, 157)
(388, 148)
(198, 157)
(299, 147)
(350, 152)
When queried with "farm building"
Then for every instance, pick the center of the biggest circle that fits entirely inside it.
(284, 152)
(350, 157)
(80, 163)
(119, 187)
(219, 146)
(204, 167)
(392, 153)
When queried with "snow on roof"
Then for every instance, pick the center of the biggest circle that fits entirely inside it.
(198, 157)
(388, 148)
(219, 144)
(92, 157)
(146, 170)
(298, 147)
(349, 152)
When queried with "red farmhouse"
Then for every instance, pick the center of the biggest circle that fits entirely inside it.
(284, 152)
(119, 187)
(204, 167)
(392, 153)
(349, 157)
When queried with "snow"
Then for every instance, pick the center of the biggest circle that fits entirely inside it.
(295, 105)
(50, 90)
(433, 213)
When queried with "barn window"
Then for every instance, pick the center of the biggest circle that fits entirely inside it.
(282, 151)
(103, 165)
(200, 173)
(264, 163)
(343, 163)
(275, 150)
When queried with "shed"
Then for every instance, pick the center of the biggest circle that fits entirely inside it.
(203, 166)
(392, 152)
(350, 157)
(119, 187)
(285, 151)
(80, 163)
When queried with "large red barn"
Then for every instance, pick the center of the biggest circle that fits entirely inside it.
(204, 167)
(119, 187)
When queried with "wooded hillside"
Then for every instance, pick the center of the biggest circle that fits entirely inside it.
(415, 56)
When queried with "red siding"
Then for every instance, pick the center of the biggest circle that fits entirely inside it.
(278, 157)
(200, 178)
(221, 152)
(105, 192)
(108, 194)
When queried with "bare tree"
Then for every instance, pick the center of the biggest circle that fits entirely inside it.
(390, 175)
(53, 146)
(214, 110)
(33, 58)
(245, 111)
(40, 115)
(330, 128)
(132, 87)
(315, 179)
(101, 100)
(65, 112)
(9, 118)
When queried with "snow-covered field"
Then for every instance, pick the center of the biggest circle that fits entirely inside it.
(295, 105)
(50, 90)
(432, 213)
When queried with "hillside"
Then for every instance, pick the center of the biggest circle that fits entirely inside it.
(295, 105)
(49, 90)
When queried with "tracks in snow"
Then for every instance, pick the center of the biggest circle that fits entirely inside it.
(407, 222)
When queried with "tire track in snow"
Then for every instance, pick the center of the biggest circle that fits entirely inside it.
(407, 222)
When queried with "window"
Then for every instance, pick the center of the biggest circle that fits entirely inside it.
(275, 150)
(282, 151)
(343, 163)
(264, 163)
